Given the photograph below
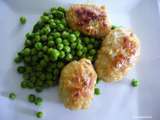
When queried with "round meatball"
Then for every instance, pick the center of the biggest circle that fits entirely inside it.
(77, 83)
(118, 53)
(89, 19)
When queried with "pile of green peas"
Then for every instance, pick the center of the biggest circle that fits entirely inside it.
(51, 45)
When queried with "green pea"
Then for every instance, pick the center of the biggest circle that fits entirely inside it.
(31, 98)
(12, 96)
(65, 34)
(74, 45)
(28, 35)
(28, 69)
(79, 41)
(60, 65)
(58, 40)
(113, 27)
(90, 58)
(38, 46)
(39, 68)
(54, 54)
(45, 48)
(53, 9)
(92, 40)
(50, 43)
(61, 9)
(38, 101)
(60, 46)
(47, 29)
(26, 76)
(30, 85)
(45, 13)
(43, 63)
(26, 51)
(38, 89)
(73, 53)
(48, 76)
(92, 52)
(62, 54)
(89, 46)
(55, 72)
(18, 59)
(60, 27)
(33, 78)
(65, 42)
(135, 83)
(79, 53)
(44, 18)
(98, 80)
(22, 20)
(69, 57)
(23, 84)
(28, 43)
(34, 59)
(40, 54)
(57, 21)
(64, 22)
(53, 25)
(27, 59)
(67, 49)
(49, 83)
(44, 37)
(46, 58)
(84, 49)
(86, 40)
(50, 17)
(37, 38)
(56, 35)
(77, 33)
(33, 51)
(21, 69)
(59, 14)
(42, 77)
(39, 114)
(51, 20)
(53, 66)
(79, 46)
(38, 83)
(50, 38)
(97, 91)
(72, 38)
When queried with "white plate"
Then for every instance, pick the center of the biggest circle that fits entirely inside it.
(118, 101)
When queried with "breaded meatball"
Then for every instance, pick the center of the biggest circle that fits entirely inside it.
(89, 19)
(77, 83)
(118, 53)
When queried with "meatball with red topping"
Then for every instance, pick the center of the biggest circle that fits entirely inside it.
(89, 19)
(118, 53)
(77, 83)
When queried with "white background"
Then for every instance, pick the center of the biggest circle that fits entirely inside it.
(118, 101)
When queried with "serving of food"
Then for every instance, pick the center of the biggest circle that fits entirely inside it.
(73, 49)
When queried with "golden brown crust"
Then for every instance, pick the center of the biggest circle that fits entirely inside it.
(89, 19)
(77, 81)
(118, 53)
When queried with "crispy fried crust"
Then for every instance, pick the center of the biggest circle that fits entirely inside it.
(89, 19)
(77, 82)
(118, 53)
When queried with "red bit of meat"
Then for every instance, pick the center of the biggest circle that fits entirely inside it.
(119, 61)
(86, 15)
(129, 45)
